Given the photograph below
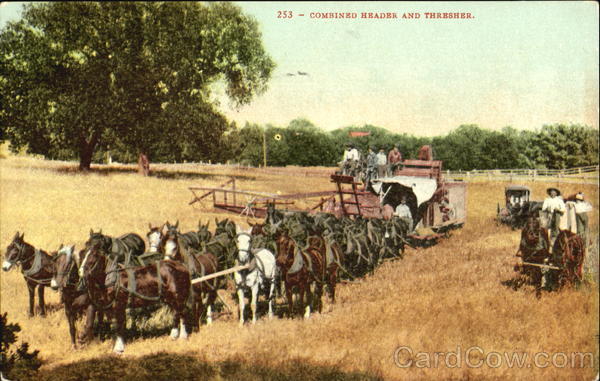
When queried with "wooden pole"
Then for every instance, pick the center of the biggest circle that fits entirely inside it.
(264, 148)
(540, 265)
(220, 273)
(234, 192)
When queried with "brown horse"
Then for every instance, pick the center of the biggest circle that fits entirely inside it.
(36, 265)
(163, 282)
(569, 253)
(534, 249)
(204, 293)
(302, 267)
(75, 300)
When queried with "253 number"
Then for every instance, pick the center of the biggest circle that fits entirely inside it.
(284, 14)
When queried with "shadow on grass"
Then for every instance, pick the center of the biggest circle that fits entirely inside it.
(158, 173)
(167, 366)
(515, 283)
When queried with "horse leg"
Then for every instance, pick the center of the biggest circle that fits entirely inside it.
(71, 316)
(240, 293)
(31, 288)
(89, 320)
(198, 308)
(100, 315)
(176, 322)
(538, 283)
(289, 296)
(210, 300)
(270, 296)
(253, 302)
(331, 286)
(119, 322)
(305, 288)
(318, 296)
(180, 321)
(41, 288)
(88, 333)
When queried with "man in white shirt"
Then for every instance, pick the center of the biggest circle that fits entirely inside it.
(582, 208)
(403, 212)
(555, 208)
(350, 160)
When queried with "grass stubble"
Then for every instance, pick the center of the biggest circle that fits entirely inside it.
(449, 298)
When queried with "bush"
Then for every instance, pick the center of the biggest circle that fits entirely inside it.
(19, 363)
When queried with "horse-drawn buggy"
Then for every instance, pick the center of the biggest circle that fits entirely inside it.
(546, 265)
(517, 207)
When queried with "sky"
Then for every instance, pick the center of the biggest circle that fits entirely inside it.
(519, 64)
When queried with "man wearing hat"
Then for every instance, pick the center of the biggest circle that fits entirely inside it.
(403, 212)
(350, 160)
(554, 207)
(394, 159)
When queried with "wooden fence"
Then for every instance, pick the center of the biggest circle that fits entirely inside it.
(585, 175)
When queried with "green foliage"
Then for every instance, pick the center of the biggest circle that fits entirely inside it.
(79, 77)
(560, 146)
(17, 362)
(465, 148)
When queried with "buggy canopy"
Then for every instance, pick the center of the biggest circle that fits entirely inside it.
(422, 187)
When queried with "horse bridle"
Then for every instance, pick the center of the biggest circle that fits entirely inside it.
(156, 247)
(19, 254)
(69, 269)
(175, 240)
(249, 249)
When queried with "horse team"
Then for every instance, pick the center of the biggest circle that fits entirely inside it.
(110, 275)
(549, 266)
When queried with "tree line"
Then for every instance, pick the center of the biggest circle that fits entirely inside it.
(85, 80)
(467, 147)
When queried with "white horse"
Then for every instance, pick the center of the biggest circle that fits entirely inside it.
(262, 273)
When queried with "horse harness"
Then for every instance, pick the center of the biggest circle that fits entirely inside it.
(131, 285)
(36, 266)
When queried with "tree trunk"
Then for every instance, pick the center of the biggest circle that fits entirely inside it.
(143, 164)
(86, 151)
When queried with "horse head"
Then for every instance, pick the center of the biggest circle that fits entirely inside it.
(98, 238)
(14, 251)
(64, 263)
(154, 238)
(203, 233)
(257, 229)
(92, 261)
(285, 248)
(169, 244)
(531, 231)
(244, 243)
(219, 226)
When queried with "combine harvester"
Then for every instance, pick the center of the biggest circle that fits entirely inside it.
(437, 205)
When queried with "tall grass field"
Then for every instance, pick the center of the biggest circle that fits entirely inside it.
(444, 312)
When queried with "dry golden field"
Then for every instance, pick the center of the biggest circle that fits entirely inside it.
(449, 299)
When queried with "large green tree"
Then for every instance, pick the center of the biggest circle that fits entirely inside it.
(79, 76)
